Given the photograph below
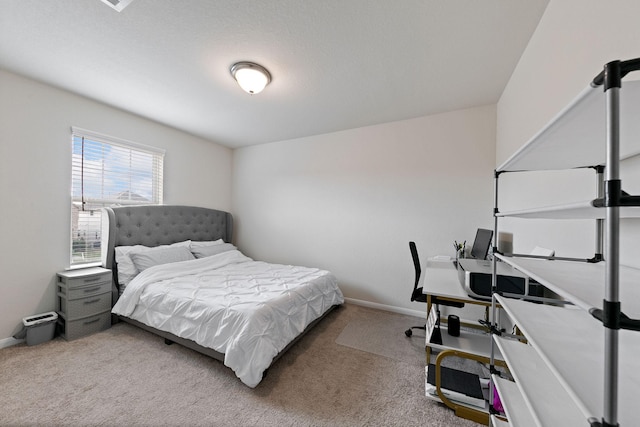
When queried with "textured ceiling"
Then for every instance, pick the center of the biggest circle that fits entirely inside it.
(336, 64)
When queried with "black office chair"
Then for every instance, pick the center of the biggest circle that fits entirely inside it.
(418, 295)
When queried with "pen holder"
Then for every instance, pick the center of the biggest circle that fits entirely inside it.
(460, 249)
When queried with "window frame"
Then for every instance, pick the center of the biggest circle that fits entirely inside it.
(79, 199)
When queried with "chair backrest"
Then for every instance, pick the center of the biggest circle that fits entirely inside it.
(416, 265)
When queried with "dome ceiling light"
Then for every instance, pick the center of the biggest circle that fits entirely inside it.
(251, 77)
(117, 4)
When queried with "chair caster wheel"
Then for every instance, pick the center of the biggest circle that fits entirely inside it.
(408, 332)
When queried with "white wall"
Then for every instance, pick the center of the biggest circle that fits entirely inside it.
(573, 41)
(351, 201)
(35, 182)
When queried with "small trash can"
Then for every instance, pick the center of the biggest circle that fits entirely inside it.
(40, 327)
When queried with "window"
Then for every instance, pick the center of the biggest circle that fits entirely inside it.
(107, 171)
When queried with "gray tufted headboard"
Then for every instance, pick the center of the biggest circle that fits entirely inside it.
(154, 225)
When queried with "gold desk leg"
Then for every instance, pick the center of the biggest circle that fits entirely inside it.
(462, 411)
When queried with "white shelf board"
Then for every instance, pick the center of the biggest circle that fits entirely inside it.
(578, 210)
(518, 413)
(537, 385)
(571, 343)
(497, 422)
(580, 282)
(457, 402)
(475, 343)
(576, 137)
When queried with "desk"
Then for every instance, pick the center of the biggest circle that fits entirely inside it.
(440, 280)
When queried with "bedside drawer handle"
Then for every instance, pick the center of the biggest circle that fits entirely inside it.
(93, 301)
(88, 322)
(86, 291)
(92, 279)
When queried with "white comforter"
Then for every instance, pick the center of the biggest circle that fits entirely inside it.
(248, 310)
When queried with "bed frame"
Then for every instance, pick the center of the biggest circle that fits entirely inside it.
(154, 225)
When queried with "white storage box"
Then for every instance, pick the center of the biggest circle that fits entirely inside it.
(40, 327)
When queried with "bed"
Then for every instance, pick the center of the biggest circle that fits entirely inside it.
(177, 274)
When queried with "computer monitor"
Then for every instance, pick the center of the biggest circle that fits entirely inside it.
(481, 244)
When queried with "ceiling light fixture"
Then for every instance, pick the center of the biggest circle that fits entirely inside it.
(251, 77)
(117, 4)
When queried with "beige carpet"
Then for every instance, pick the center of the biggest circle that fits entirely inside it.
(126, 376)
(382, 333)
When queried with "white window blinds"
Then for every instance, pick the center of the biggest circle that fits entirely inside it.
(107, 171)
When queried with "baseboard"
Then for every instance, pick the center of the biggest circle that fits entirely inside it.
(8, 342)
(391, 308)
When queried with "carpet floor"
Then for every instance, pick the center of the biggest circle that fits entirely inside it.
(382, 333)
(125, 376)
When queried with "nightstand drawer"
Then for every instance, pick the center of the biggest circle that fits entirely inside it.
(83, 277)
(72, 329)
(87, 291)
(78, 308)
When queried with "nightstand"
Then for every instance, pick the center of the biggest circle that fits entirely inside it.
(84, 301)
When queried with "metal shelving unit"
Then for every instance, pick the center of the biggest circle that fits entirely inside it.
(582, 356)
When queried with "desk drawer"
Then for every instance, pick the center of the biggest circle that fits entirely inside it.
(85, 280)
(87, 291)
(78, 308)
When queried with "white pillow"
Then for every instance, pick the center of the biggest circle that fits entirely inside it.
(126, 269)
(211, 250)
(146, 259)
(207, 243)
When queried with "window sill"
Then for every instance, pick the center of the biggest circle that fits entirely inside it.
(81, 266)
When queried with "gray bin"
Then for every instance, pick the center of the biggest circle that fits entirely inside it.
(40, 327)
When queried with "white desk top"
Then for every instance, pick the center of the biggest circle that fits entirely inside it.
(440, 279)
